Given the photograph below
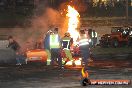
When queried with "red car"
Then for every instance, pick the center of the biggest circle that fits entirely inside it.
(37, 55)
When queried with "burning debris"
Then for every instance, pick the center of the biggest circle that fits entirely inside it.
(85, 78)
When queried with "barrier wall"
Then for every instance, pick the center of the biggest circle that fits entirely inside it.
(7, 56)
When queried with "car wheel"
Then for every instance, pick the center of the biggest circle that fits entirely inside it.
(115, 43)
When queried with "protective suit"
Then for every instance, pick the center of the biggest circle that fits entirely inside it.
(47, 46)
(84, 47)
(55, 48)
(66, 42)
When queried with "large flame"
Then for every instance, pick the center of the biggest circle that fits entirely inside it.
(73, 22)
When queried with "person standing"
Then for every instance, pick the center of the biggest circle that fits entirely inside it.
(16, 47)
(66, 43)
(94, 37)
(84, 47)
(55, 48)
(47, 46)
(38, 44)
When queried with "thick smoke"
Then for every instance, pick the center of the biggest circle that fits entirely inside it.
(48, 19)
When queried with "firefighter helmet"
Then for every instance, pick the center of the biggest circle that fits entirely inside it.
(56, 29)
(82, 31)
(67, 34)
(50, 31)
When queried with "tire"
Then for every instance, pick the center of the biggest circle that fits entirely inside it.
(130, 42)
(102, 44)
(115, 43)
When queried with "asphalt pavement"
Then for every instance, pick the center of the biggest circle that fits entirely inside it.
(40, 76)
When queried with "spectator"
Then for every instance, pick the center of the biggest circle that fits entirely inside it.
(16, 47)
(38, 44)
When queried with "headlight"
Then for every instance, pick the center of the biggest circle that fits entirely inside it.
(130, 33)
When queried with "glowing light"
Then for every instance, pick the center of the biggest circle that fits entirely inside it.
(73, 21)
(78, 62)
(69, 63)
(84, 73)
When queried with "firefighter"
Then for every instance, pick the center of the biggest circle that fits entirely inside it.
(47, 46)
(84, 47)
(94, 38)
(55, 48)
(90, 36)
(130, 38)
(67, 41)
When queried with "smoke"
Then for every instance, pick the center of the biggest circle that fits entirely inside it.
(50, 18)
(44, 19)
(47, 19)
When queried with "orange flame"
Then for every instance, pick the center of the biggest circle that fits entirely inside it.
(84, 73)
(73, 22)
